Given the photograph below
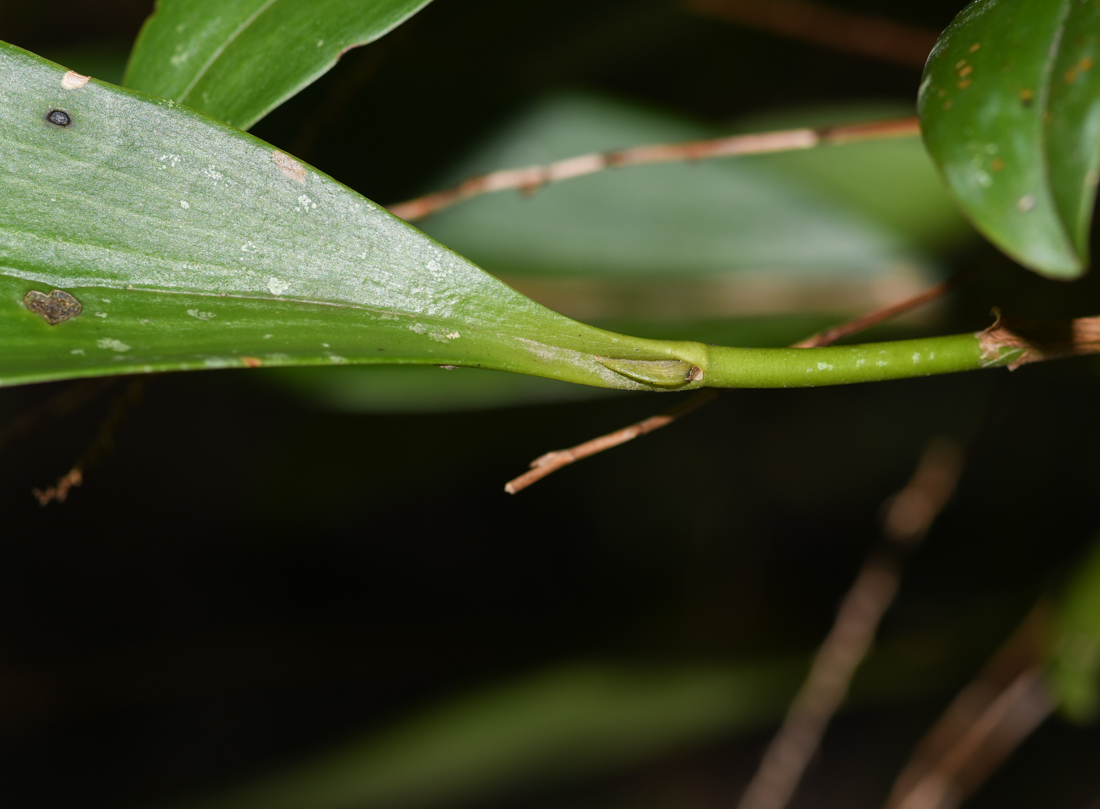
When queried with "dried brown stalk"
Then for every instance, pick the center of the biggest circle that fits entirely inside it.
(840, 30)
(531, 178)
(909, 516)
(982, 726)
(1037, 341)
(553, 461)
(881, 315)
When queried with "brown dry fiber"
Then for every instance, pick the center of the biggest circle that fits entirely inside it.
(531, 178)
(909, 516)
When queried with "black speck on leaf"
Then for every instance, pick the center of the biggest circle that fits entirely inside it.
(59, 117)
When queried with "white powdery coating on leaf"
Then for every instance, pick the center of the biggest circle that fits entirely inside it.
(112, 344)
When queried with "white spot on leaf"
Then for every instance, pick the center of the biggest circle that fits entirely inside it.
(112, 344)
(200, 315)
(73, 80)
(277, 285)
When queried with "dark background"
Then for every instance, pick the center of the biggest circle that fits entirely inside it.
(247, 579)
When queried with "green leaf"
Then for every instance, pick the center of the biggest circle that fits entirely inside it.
(190, 244)
(236, 60)
(1010, 108)
(1075, 654)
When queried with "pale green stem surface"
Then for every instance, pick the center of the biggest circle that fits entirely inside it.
(843, 365)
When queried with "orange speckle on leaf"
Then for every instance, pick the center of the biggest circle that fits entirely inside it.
(1085, 64)
(252, 362)
(975, 47)
(1071, 75)
(996, 164)
(1027, 96)
(959, 64)
(966, 71)
(941, 93)
(962, 85)
(947, 104)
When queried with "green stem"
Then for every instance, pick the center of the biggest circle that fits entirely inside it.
(844, 365)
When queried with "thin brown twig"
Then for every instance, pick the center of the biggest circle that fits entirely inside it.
(837, 333)
(909, 516)
(982, 726)
(840, 30)
(553, 461)
(99, 447)
(530, 178)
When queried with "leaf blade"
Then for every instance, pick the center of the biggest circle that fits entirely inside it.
(236, 60)
(998, 123)
(174, 212)
(1074, 128)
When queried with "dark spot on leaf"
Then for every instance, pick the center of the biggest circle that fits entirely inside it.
(57, 307)
(59, 117)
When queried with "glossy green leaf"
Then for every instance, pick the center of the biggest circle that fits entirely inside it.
(236, 60)
(190, 244)
(1010, 108)
(1075, 659)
